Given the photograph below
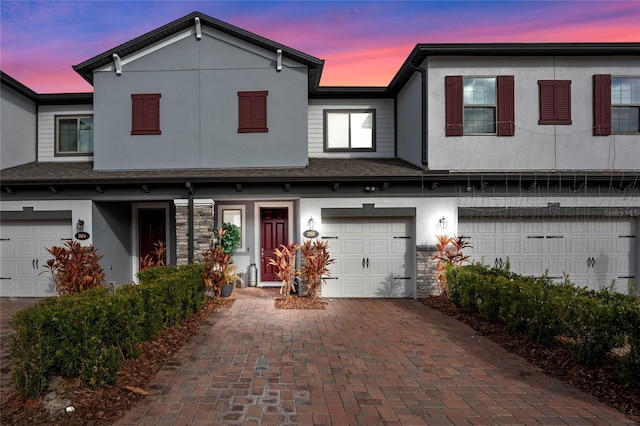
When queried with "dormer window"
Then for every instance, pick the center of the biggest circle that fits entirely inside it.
(74, 135)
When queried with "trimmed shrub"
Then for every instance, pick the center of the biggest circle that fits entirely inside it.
(87, 335)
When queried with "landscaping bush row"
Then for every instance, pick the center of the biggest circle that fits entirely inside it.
(591, 322)
(88, 335)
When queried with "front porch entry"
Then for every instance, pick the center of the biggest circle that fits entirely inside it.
(275, 228)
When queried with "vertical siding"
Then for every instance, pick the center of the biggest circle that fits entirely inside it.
(46, 130)
(384, 126)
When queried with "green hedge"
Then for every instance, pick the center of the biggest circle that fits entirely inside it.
(593, 322)
(88, 335)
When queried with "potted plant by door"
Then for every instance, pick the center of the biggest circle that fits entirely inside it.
(219, 271)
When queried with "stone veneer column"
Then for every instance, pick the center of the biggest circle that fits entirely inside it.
(426, 280)
(203, 227)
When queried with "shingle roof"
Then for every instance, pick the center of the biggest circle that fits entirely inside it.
(318, 169)
(86, 68)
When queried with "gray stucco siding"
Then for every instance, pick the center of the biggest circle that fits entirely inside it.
(17, 129)
(199, 83)
(534, 146)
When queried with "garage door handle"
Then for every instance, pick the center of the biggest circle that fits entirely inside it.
(591, 262)
(363, 262)
(535, 236)
(499, 263)
(555, 236)
(367, 263)
(402, 238)
(629, 277)
(5, 278)
(66, 239)
(403, 278)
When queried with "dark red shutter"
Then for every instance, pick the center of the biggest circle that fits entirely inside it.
(145, 114)
(453, 105)
(601, 105)
(252, 112)
(555, 101)
(506, 106)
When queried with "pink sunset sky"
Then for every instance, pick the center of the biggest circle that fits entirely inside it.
(363, 43)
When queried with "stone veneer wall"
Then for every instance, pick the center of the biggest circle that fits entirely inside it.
(203, 227)
(426, 280)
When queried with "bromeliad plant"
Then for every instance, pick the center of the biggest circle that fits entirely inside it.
(218, 267)
(449, 253)
(75, 268)
(285, 266)
(315, 265)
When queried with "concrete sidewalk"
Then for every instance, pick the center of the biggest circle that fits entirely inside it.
(359, 362)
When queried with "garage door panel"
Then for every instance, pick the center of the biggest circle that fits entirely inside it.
(25, 253)
(593, 251)
(372, 241)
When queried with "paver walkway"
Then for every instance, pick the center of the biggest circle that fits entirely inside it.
(359, 362)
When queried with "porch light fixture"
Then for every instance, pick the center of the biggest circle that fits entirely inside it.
(443, 222)
(80, 225)
(239, 187)
(53, 190)
(311, 222)
(287, 187)
(145, 189)
(369, 188)
(385, 186)
(336, 186)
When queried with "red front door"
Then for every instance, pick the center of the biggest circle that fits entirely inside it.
(273, 232)
(152, 225)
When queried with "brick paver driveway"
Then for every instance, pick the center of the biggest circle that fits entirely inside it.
(359, 362)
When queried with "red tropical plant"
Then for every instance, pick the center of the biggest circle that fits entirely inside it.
(75, 268)
(449, 253)
(218, 267)
(155, 257)
(285, 266)
(315, 265)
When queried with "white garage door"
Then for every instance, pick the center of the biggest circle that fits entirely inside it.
(592, 251)
(23, 255)
(372, 257)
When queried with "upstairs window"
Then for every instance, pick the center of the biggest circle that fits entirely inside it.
(625, 105)
(555, 101)
(145, 114)
(252, 112)
(74, 135)
(349, 130)
(479, 105)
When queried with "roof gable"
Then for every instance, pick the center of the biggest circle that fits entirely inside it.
(86, 68)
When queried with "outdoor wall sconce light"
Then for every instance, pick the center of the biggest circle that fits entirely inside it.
(311, 222)
(80, 225)
(443, 222)
(369, 188)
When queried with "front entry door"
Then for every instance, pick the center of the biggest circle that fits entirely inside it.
(273, 232)
(152, 224)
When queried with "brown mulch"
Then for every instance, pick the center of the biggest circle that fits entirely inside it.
(298, 302)
(555, 360)
(106, 405)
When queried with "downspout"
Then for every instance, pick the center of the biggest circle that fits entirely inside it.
(422, 71)
(190, 236)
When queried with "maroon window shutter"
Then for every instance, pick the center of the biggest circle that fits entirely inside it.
(555, 101)
(506, 106)
(252, 112)
(602, 105)
(145, 114)
(453, 105)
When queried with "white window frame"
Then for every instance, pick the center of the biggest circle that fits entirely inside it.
(494, 105)
(348, 113)
(77, 117)
(220, 208)
(632, 105)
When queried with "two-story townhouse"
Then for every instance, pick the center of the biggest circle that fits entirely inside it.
(530, 150)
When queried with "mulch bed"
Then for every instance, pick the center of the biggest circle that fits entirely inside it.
(555, 360)
(107, 405)
(297, 302)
